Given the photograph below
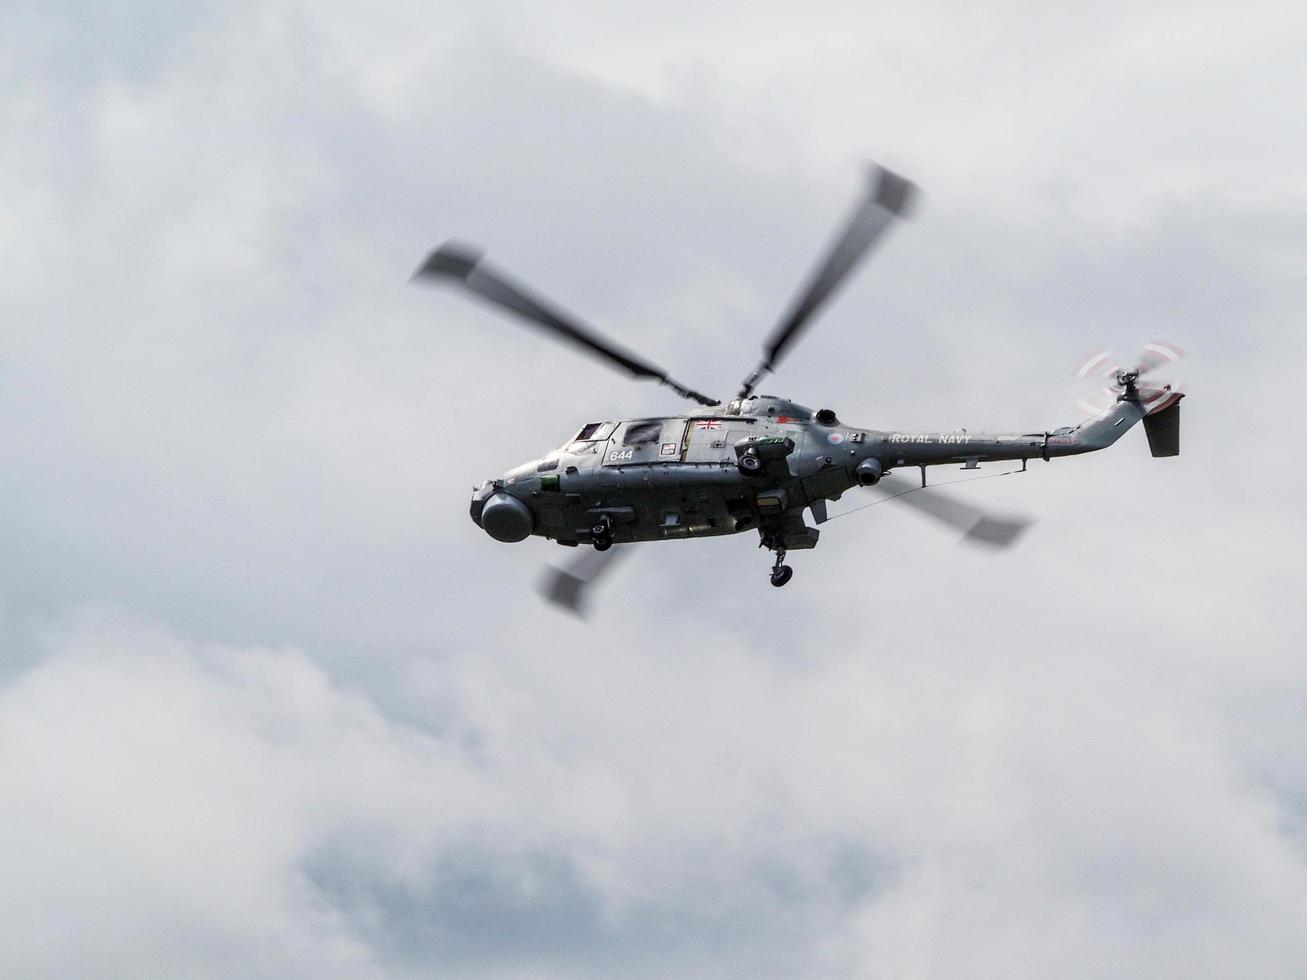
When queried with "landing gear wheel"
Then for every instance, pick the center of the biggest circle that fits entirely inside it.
(749, 463)
(601, 534)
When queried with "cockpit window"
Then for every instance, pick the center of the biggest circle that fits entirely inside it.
(590, 436)
(640, 433)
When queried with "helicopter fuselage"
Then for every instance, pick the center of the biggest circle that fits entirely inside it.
(756, 465)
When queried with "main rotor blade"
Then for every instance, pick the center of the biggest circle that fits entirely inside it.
(977, 526)
(569, 588)
(465, 265)
(888, 196)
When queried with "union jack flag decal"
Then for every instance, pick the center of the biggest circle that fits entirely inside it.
(708, 424)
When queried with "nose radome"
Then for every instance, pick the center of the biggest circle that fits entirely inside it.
(505, 518)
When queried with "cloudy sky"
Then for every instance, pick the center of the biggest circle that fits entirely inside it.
(270, 705)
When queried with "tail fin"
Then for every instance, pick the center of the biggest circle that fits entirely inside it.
(1163, 430)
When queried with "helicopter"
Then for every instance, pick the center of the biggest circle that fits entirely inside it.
(758, 462)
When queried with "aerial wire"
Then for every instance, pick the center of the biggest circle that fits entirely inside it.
(901, 493)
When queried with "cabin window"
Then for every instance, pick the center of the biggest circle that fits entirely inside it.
(640, 433)
(588, 431)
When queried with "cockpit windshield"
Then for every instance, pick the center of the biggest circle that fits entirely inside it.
(590, 434)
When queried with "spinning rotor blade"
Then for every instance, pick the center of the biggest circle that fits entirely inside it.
(568, 588)
(465, 266)
(976, 525)
(888, 196)
(1106, 369)
(1157, 354)
(1100, 365)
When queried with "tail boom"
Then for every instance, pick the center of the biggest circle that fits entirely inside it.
(937, 448)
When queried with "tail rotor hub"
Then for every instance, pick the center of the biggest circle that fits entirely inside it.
(1122, 383)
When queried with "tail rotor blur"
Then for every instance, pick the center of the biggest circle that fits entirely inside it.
(1115, 377)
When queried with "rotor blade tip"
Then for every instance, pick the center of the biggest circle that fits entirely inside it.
(564, 590)
(996, 533)
(453, 259)
(894, 193)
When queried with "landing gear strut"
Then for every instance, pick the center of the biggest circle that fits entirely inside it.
(780, 572)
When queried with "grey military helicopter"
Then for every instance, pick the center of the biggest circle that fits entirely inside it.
(758, 462)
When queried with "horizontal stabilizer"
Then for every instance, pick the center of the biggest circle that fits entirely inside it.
(1163, 429)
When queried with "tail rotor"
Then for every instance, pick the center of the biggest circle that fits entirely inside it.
(1118, 378)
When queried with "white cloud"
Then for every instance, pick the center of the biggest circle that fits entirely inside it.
(181, 808)
(157, 797)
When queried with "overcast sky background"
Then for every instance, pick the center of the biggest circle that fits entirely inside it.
(273, 706)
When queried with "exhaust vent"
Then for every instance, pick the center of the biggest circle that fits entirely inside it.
(869, 472)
